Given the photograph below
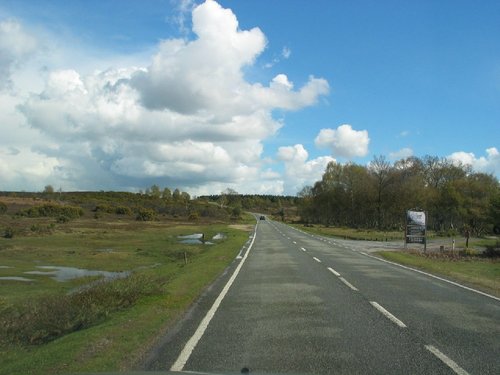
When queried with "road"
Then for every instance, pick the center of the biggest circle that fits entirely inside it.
(304, 304)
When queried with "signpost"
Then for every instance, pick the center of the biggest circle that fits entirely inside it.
(415, 228)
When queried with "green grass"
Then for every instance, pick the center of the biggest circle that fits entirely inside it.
(117, 340)
(352, 234)
(481, 273)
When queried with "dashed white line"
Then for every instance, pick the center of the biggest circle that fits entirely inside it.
(348, 284)
(295, 242)
(333, 271)
(317, 260)
(388, 315)
(303, 249)
(446, 360)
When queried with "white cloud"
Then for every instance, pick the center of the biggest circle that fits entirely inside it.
(15, 46)
(404, 133)
(286, 52)
(299, 171)
(344, 141)
(404, 153)
(188, 118)
(487, 164)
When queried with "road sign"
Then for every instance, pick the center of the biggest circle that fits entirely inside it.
(415, 229)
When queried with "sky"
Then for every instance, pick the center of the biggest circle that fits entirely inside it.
(257, 96)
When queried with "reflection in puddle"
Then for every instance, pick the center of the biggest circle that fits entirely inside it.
(219, 236)
(63, 274)
(15, 278)
(199, 238)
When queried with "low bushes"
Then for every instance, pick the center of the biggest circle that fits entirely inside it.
(146, 214)
(52, 210)
(46, 318)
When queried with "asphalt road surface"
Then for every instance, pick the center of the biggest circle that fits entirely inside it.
(294, 303)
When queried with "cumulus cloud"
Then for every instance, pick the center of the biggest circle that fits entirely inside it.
(188, 119)
(404, 153)
(299, 171)
(205, 75)
(15, 46)
(344, 141)
(487, 164)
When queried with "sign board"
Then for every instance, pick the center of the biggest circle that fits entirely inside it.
(415, 227)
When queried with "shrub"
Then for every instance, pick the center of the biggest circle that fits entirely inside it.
(104, 208)
(123, 210)
(3, 208)
(52, 210)
(193, 216)
(146, 214)
(63, 219)
(38, 321)
(8, 233)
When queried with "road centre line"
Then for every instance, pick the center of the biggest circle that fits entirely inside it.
(348, 284)
(193, 341)
(446, 360)
(388, 315)
(317, 260)
(303, 249)
(431, 275)
(333, 271)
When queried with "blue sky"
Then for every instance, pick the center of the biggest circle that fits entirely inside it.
(396, 78)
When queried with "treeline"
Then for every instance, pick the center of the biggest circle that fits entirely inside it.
(252, 202)
(150, 204)
(377, 195)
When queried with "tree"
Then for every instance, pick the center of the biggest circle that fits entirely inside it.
(166, 194)
(48, 189)
(176, 195)
(154, 191)
(380, 169)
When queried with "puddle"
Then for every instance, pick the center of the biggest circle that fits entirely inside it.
(15, 278)
(196, 242)
(219, 236)
(198, 238)
(194, 239)
(63, 274)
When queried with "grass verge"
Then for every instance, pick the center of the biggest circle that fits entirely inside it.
(140, 308)
(481, 273)
(351, 234)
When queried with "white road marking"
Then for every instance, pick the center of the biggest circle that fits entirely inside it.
(303, 249)
(193, 341)
(434, 276)
(317, 260)
(348, 284)
(333, 271)
(449, 362)
(295, 242)
(387, 314)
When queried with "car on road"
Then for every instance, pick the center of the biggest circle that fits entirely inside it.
(262, 217)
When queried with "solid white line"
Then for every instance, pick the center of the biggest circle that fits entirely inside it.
(303, 249)
(434, 276)
(317, 260)
(449, 362)
(387, 314)
(333, 271)
(193, 341)
(348, 284)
